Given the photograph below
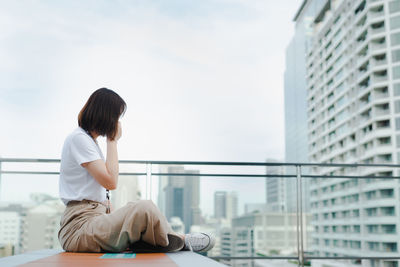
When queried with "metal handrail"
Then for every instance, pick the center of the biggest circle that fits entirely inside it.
(301, 255)
(220, 163)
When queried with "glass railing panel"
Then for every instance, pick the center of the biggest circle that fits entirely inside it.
(353, 215)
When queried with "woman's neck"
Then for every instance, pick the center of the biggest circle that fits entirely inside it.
(94, 135)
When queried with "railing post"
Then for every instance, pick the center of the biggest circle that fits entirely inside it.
(149, 181)
(299, 194)
(0, 177)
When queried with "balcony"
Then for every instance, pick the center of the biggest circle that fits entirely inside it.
(243, 241)
(376, 12)
(377, 28)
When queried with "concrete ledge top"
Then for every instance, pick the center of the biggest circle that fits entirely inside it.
(53, 257)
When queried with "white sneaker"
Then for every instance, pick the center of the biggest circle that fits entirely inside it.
(199, 242)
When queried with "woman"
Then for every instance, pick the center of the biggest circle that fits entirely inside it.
(85, 178)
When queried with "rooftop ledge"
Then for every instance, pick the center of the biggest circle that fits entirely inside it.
(51, 257)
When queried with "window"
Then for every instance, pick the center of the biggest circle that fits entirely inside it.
(356, 213)
(397, 106)
(396, 72)
(371, 212)
(373, 246)
(395, 22)
(339, 74)
(389, 228)
(394, 6)
(387, 211)
(336, 243)
(395, 39)
(396, 55)
(341, 101)
(390, 247)
(372, 229)
(396, 89)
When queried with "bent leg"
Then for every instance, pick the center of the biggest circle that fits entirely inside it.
(136, 221)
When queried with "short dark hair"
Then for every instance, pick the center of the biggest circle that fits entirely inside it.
(102, 112)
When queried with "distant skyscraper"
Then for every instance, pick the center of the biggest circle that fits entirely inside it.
(179, 196)
(225, 205)
(220, 204)
(296, 139)
(275, 189)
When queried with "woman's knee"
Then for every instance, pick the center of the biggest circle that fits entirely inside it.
(146, 206)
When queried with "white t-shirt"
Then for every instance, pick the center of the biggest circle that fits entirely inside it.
(75, 181)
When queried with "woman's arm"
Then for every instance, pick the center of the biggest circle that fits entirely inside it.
(106, 173)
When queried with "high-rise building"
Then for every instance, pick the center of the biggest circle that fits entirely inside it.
(353, 90)
(179, 195)
(225, 205)
(220, 204)
(296, 139)
(275, 189)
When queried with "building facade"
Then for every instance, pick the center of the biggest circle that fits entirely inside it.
(179, 195)
(295, 97)
(262, 234)
(276, 189)
(41, 225)
(10, 230)
(353, 106)
(225, 205)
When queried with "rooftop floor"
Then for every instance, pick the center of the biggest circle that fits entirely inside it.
(44, 258)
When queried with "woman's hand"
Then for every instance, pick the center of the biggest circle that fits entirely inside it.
(118, 134)
(107, 173)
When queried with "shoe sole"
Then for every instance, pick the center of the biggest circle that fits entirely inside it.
(175, 243)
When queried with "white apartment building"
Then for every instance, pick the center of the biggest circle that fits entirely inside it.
(10, 229)
(237, 242)
(41, 226)
(225, 204)
(353, 85)
(262, 234)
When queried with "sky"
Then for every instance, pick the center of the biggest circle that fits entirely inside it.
(203, 80)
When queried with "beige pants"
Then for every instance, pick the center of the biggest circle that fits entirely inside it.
(85, 227)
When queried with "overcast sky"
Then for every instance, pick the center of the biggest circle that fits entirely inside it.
(203, 80)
